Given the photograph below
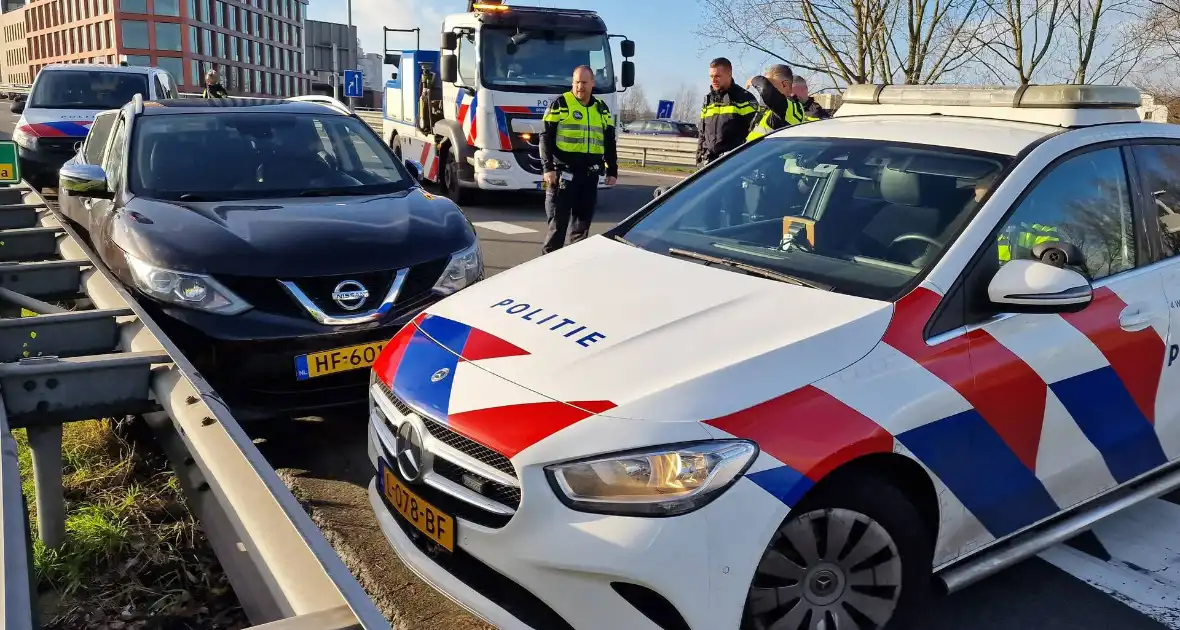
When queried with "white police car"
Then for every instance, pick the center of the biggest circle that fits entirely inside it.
(936, 332)
(63, 103)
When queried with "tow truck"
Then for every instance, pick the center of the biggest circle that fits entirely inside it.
(475, 123)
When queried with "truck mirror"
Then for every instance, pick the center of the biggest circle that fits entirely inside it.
(449, 70)
(393, 59)
(450, 41)
(628, 48)
(628, 74)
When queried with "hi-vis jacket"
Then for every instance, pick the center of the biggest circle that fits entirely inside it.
(781, 111)
(578, 137)
(725, 120)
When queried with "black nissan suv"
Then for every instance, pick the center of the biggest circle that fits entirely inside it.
(279, 243)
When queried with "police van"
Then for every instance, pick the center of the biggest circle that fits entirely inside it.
(62, 104)
(933, 335)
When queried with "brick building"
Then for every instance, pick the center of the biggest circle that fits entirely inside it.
(14, 54)
(256, 45)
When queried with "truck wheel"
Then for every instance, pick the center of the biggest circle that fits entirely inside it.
(450, 180)
(396, 145)
(857, 557)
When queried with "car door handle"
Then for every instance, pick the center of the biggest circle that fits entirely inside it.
(1134, 318)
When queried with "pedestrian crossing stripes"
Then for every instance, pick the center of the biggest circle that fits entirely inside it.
(503, 227)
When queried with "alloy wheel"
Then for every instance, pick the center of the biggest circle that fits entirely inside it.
(828, 569)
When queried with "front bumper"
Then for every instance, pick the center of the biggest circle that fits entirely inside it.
(514, 178)
(41, 164)
(551, 568)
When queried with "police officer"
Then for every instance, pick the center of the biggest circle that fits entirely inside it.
(213, 87)
(776, 87)
(577, 143)
(726, 116)
(811, 109)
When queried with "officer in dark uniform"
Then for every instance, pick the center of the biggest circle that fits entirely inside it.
(578, 142)
(726, 116)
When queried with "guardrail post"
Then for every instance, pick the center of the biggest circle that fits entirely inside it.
(45, 446)
(643, 157)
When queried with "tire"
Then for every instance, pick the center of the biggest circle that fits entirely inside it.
(396, 146)
(449, 174)
(887, 551)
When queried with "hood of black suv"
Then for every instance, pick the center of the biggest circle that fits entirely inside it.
(300, 237)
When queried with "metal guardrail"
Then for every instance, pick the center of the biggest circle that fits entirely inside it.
(109, 359)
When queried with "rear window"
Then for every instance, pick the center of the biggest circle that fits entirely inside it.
(255, 155)
(86, 89)
(687, 128)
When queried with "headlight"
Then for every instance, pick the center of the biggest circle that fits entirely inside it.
(191, 290)
(24, 139)
(665, 481)
(492, 164)
(464, 269)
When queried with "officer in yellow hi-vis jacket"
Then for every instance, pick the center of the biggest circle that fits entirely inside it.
(577, 143)
(782, 108)
(1025, 236)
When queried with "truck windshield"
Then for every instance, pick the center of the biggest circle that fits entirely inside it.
(544, 61)
(221, 156)
(861, 217)
(86, 89)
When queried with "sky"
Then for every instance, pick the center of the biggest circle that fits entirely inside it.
(668, 55)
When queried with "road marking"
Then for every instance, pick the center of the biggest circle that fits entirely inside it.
(1143, 571)
(503, 228)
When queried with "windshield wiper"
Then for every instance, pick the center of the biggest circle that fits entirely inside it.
(753, 270)
(624, 241)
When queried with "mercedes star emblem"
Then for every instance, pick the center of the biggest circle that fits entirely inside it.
(350, 295)
(439, 375)
(411, 458)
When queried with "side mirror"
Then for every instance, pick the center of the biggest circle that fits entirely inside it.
(450, 40)
(415, 169)
(1032, 286)
(17, 107)
(393, 59)
(628, 74)
(627, 47)
(659, 192)
(84, 180)
(449, 69)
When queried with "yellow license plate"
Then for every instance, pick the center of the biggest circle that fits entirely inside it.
(338, 360)
(428, 519)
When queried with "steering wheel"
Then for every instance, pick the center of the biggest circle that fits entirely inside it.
(915, 237)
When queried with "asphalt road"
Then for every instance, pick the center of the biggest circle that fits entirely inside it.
(324, 462)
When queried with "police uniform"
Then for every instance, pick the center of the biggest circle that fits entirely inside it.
(780, 111)
(577, 143)
(214, 91)
(725, 119)
(1025, 236)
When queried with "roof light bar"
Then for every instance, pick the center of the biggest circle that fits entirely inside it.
(1029, 96)
(485, 6)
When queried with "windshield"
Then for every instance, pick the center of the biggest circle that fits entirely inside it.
(544, 59)
(86, 89)
(860, 217)
(253, 155)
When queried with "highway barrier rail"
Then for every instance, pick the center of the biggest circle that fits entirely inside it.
(106, 357)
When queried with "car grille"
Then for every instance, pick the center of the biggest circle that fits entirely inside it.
(460, 474)
(527, 152)
(267, 294)
(61, 146)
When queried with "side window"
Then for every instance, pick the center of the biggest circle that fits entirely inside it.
(1084, 201)
(467, 61)
(1159, 166)
(158, 88)
(96, 140)
(113, 165)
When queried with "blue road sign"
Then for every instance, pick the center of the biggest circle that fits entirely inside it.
(354, 84)
(665, 109)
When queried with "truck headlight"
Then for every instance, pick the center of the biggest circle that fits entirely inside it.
(492, 164)
(181, 288)
(464, 269)
(662, 481)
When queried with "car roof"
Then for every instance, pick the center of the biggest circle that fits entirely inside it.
(215, 105)
(977, 134)
(56, 67)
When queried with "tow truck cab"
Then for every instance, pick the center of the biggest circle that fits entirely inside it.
(471, 113)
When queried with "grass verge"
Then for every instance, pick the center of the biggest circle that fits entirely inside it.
(657, 168)
(134, 558)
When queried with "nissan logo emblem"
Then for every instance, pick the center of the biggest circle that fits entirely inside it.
(412, 459)
(350, 295)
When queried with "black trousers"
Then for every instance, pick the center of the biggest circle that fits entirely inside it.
(570, 206)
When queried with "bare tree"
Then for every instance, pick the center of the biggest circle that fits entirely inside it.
(854, 41)
(687, 104)
(1108, 40)
(635, 105)
(1019, 36)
